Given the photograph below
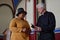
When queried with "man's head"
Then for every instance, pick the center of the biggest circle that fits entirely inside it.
(40, 7)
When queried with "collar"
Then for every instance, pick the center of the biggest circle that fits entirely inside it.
(44, 13)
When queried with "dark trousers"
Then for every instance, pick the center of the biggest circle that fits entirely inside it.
(39, 37)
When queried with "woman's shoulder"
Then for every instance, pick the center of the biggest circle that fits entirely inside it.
(14, 19)
(25, 20)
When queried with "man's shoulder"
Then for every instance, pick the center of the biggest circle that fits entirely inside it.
(50, 13)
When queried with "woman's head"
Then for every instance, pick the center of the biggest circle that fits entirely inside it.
(21, 13)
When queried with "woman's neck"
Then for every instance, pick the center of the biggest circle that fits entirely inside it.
(20, 18)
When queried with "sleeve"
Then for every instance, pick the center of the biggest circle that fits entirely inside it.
(28, 28)
(51, 23)
(13, 27)
(38, 22)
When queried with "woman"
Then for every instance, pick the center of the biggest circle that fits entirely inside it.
(19, 27)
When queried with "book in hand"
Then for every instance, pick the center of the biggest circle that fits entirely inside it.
(32, 26)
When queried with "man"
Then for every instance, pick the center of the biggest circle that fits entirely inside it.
(46, 23)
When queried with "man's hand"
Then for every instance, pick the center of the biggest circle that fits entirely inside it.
(38, 28)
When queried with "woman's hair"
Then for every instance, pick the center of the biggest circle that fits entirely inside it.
(25, 13)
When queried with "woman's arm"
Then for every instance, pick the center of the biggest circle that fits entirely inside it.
(13, 26)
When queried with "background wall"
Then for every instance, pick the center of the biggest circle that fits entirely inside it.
(54, 6)
(21, 4)
(30, 11)
(6, 2)
(5, 14)
(5, 17)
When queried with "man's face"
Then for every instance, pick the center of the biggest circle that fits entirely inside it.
(40, 10)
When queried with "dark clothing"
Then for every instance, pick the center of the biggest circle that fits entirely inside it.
(47, 23)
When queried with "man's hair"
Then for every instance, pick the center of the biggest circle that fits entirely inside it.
(40, 5)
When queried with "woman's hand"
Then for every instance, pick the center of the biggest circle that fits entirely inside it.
(24, 29)
(27, 31)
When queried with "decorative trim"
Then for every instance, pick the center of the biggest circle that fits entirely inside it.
(34, 12)
(34, 17)
(57, 30)
(13, 8)
(7, 6)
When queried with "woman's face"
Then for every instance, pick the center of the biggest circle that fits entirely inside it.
(22, 15)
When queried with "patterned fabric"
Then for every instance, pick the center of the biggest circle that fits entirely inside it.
(15, 2)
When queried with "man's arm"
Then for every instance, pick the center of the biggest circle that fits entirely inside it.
(51, 25)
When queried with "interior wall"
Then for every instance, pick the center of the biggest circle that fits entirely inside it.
(5, 17)
(21, 4)
(6, 2)
(30, 12)
(54, 6)
(5, 14)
